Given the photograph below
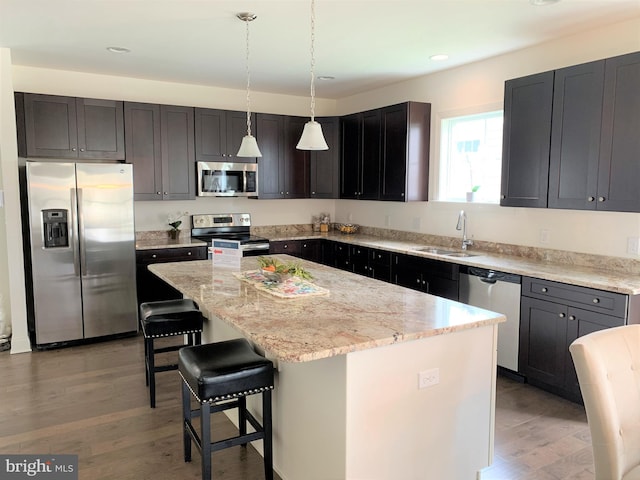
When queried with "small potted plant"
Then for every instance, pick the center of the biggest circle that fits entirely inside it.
(174, 222)
(471, 195)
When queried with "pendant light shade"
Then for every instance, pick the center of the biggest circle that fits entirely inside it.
(312, 137)
(249, 146)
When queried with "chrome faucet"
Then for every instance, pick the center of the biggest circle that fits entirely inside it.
(462, 225)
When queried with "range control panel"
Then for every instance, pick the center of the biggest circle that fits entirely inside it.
(211, 220)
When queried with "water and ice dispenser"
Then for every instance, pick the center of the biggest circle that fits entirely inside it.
(55, 227)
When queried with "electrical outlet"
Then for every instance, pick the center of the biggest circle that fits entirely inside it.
(633, 245)
(544, 236)
(428, 378)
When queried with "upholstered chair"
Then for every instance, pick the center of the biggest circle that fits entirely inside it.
(608, 367)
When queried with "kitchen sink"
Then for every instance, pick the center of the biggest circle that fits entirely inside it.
(444, 252)
(434, 250)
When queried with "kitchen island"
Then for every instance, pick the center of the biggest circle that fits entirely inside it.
(348, 402)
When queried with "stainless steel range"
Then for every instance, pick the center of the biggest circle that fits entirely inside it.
(229, 226)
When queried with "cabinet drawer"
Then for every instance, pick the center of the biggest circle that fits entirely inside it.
(290, 247)
(359, 253)
(586, 298)
(171, 255)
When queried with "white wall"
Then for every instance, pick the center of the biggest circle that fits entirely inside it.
(12, 294)
(474, 86)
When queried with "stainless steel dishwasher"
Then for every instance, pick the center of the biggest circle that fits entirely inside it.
(498, 292)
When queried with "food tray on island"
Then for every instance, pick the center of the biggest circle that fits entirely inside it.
(348, 228)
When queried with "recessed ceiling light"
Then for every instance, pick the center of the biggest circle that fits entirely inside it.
(539, 3)
(326, 77)
(118, 49)
(439, 57)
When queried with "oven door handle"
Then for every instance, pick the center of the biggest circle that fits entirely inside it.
(250, 247)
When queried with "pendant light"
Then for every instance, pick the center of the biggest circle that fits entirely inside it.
(312, 137)
(249, 146)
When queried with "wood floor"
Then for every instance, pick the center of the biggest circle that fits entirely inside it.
(92, 401)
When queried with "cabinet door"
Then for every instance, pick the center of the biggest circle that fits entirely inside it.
(360, 259)
(350, 126)
(370, 145)
(526, 140)
(50, 126)
(143, 149)
(210, 135)
(178, 156)
(270, 138)
(236, 130)
(543, 334)
(100, 129)
(393, 166)
(311, 250)
(619, 174)
(296, 162)
(324, 165)
(575, 136)
(406, 270)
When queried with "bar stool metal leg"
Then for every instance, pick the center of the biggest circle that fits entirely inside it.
(268, 440)
(205, 439)
(186, 417)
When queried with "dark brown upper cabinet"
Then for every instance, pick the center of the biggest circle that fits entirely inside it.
(571, 137)
(404, 161)
(160, 145)
(360, 162)
(60, 127)
(284, 170)
(219, 134)
(385, 153)
(575, 136)
(619, 168)
(324, 165)
(526, 140)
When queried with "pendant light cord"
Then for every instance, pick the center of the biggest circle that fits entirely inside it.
(313, 59)
(248, 83)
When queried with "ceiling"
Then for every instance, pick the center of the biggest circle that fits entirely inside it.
(364, 44)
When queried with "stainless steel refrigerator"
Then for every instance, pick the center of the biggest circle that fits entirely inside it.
(82, 250)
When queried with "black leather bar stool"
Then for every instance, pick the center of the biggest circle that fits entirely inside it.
(167, 318)
(225, 371)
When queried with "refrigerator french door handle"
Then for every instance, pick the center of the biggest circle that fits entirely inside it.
(73, 226)
(81, 242)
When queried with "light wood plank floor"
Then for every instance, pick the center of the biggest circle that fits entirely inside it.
(91, 400)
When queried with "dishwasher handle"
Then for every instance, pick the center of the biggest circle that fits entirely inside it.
(492, 276)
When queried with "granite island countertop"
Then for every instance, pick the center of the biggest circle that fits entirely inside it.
(359, 312)
(606, 273)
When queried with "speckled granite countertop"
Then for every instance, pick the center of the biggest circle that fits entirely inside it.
(606, 273)
(160, 242)
(359, 312)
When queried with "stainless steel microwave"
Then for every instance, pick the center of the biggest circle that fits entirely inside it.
(227, 179)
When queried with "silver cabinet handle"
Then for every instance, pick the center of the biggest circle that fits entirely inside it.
(561, 315)
(601, 199)
(73, 149)
(82, 149)
(189, 253)
(544, 290)
(596, 300)
(590, 199)
(158, 193)
(154, 256)
(572, 317)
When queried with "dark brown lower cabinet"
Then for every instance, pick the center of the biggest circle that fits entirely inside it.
(151, 288)
(426, 275)
(552, 316)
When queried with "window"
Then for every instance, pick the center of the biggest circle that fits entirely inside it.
(471, 158)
